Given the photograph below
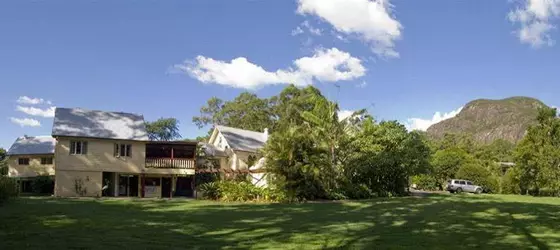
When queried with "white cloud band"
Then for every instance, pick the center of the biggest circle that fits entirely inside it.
(424, 124)
(25, 122)
(535, 19)
(325, 65)
(371, 20)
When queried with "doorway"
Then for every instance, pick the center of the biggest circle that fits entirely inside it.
(128, 185)
(166, 187)
(184, 186)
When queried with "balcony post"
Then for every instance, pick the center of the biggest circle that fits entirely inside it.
(172, 157)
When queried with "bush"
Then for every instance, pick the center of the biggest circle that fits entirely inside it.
(480, 175)
(425, 182)
(510, 182)
(42, 185)
(357, 191)
(8, 188)
(239, 191)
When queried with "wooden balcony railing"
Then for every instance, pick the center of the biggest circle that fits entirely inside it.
(170, 163)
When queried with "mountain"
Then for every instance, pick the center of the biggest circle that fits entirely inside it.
(488, 120)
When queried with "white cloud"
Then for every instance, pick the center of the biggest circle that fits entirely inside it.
(369, 19)
(343, 114)
(534, 18)
(297, 31)
(311, 29)
(25, 122)
(48, 112)
(31, 101)
(326, 65)
(307, 26)
(424, 124)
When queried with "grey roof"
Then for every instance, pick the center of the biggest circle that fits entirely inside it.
(211, 150)
(32, 145)
(99, 124)
(244, 140)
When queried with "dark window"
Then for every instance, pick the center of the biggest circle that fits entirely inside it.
(46, 161)
(123, 150)
(23, 161)
(469, 183)
(152, 181)
(456, 182)
(78, 147)
(462, 182)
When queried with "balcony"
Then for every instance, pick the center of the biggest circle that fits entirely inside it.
(170, 163)
(171, 154)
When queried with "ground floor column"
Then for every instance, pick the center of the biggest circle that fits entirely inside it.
(143, 188)
(116, 184)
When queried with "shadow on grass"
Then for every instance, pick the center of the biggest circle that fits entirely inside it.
(435, 222)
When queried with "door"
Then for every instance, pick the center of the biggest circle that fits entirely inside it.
(469, 187)
(166, 187)
(133, 186)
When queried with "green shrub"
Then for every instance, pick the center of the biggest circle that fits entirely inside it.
(8, 188)
(239, 191)
(425, 182)
(510, 182)
(357, 191)
(480, 175)
(42, 185)
(547, 192)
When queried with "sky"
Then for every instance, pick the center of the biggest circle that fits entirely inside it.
(417, 62)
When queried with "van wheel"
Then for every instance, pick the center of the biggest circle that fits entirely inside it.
(459, 190)
(478, 191)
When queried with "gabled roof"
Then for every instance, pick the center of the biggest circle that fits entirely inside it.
(211, 150)
(243, 140)
(99, 124)
(32, 145)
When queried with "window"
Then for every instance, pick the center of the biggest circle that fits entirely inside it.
(462, 182)
(23, 161)
(46, 161)
(219, 142)
(469, 183)
(78, 147)
(123, 150)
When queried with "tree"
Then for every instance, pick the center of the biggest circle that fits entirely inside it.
(479, 175)
(386, 155)
(448, 161)
(246, 111)
(3, 162)
(537, 156)
(164, 129)
(498, 151)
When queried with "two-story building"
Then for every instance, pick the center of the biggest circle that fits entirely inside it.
(30, 157)
(238, 150)
(102, 153)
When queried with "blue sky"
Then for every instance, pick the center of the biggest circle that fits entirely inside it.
(404, 60)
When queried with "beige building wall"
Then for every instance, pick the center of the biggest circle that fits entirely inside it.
(78, 183)
(100, 156)
(34, 169)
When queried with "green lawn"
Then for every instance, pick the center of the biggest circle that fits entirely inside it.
(436, 222)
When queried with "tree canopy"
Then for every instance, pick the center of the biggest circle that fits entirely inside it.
(3, 163)
(313, 154)
(538, 154)
(163, 129)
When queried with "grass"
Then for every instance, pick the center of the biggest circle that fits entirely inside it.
(435, 222)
